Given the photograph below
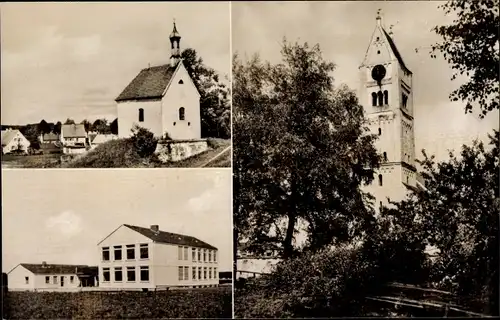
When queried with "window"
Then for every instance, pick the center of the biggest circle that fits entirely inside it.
(378, 51)
(130, 252)
(380, 98)
(118, 253)
(374, 99)
(407, 180)
(193, 253)
(379, 131)
(144, 273)
(144, 252)
(181, 82)
(55, 279)
(118, 274)
(27, 280)
(186, 253)
(193, 273)
(405, 100)
(215, 273)
(199, 273)
(105, 274)
(199, 255)
(186, 273)
(215, 256)
(179, 253)
(105, 254)
(182, 112)
(205, 273)
(380, 204)
(204, 255)
(380, 180)
(210, 273)
(181, 270)
(385, 156)
(209, 255)
(141, 115)
(131, 274)
(47, 279)
(378, 38)
(386, 97)
(71, 279)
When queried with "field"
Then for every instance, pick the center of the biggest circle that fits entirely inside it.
(192, 303)
(31, 161)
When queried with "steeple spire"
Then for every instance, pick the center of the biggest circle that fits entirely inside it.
(379, 18)
(175, 39)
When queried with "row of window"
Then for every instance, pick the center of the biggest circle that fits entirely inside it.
(197, 254)
(130, 274)
(197, 273)
(130, 252)
(380, 99)
(182, 114)
(47, 279)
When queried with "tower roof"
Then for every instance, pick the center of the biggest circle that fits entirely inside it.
(175, 33)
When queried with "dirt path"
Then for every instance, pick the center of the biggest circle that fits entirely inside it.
(217, 156)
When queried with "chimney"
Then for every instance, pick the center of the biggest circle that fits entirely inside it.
(155, 228)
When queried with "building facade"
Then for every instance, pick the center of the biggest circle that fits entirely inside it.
(133, 257)
(13, 141)
(51, 277)
(74, 138)
(386, 94)
(162, 99)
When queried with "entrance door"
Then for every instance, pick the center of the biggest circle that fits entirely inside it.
(62, 281)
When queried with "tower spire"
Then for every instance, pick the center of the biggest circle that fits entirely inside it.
(379, 18)
(175, 39)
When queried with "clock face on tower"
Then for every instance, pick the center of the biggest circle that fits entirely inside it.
(378, 72)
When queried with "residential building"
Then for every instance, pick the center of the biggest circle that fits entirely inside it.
(386, 94)
(51, 277)
(162, 99)
(74, 138)
(50, 143)
(98, 139)
(133, 257)
(49, 138)
(13, 141)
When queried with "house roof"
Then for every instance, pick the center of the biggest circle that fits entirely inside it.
(54, 268)
(50, 137)
(101, 138)
(73, 131)
(395, 49)
(170, 238)
(150, 83)
(8, 135)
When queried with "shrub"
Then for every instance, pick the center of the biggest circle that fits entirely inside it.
(118, 153)
(144, 141)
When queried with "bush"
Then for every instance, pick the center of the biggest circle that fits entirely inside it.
(144, 141)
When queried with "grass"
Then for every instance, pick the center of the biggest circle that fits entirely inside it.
(31, 161)
(190, 303)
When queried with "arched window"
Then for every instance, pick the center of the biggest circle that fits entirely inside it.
(385, 156)
(380, 98)
(380, 180)
(141, 115)
(386, 97)
(374, 99)
(181, 82)
(379, 131)
(182, 115)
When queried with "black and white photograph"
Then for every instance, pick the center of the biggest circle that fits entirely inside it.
(115, 85)
(365, 162)
(115, 244)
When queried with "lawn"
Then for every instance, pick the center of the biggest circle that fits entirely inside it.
(190, 303)
(31, 161)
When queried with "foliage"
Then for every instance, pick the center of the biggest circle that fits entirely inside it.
(101, 126)
(471, 46)
(87, 125)
(300, 153)
(143, 141)
(69, 121)
(195, 303)
(214, 101)
(43, 127)
(57, 127)
(31, 133)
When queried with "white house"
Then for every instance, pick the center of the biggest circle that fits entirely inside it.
(99, 139)
(163, 99)
(73, 138)
(133, 257)
(51, 277)
(14, 141)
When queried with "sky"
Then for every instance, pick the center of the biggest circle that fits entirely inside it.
(71, 60)
(343, 30)
(63, 222)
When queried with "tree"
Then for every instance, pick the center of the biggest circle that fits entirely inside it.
(57, 127)
(300, 153)
(113, 126)
(214, 100)
(43, 127)
(69, 121)
(471, 46)
(87, 125)
(143, 141)
(101, 126)
(31, 133)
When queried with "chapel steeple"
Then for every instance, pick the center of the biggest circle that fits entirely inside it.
(175, 39)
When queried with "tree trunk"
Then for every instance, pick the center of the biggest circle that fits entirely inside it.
(287, 244)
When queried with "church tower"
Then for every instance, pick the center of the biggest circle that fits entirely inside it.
(386, 94)
(175, 40)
